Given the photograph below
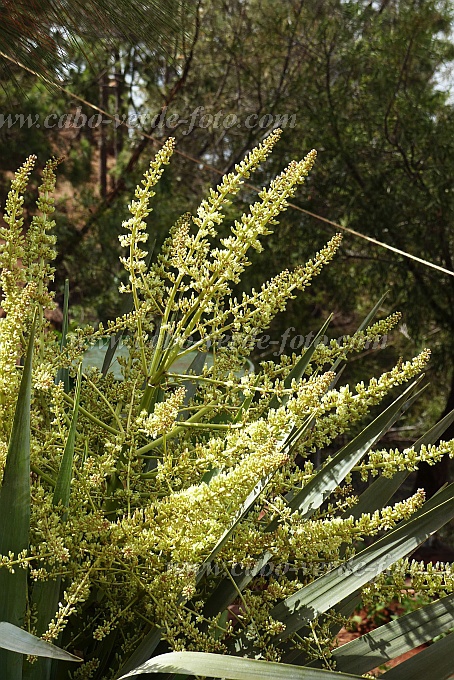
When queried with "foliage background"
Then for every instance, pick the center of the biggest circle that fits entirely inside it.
(368, 85)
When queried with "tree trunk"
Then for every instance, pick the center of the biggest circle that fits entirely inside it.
(103, 103)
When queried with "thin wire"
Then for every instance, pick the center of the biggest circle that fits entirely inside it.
(207, 166)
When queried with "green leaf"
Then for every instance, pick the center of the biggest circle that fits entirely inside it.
(95, 355)
(363, 325)
(396, 638)
(15, 515)
(382, 489)
(63, 373)
(246, 403)
(378, 494)
(142, 652)
(112, 347)
(17, 640)
(434, 662)
(104, 651)
(190, 385)
(344, 608)
(366, 321)
(46, 594)
(300, 367)
(232, 668)
(242, 512)
(226, 591)
(436, 432)
(328, 590)
(313, 495)
(63, 485)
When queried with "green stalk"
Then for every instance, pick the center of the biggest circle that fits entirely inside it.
(91, 417)
(157, 353)
(173, 433)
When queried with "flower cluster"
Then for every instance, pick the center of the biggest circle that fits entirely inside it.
(410, 577)
(191, 458)
(164, 416)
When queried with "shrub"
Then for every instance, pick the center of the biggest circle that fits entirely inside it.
(179, 508)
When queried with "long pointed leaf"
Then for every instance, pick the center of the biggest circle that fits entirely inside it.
(15, 515)
(366, 321)
(298, 370)
(46, 594)
(344, 608)
(395, 638)
(434, 662)
(232, 668)
(246, 403)
(17, 640)
(63, 373)
(190, 385)
(227, 591)
(363, 325)
(142, 652)
(328, 590)
(63, 485)
(242, 512)
(382, 489)
(379, 493)
(339, 584)
(311, 496)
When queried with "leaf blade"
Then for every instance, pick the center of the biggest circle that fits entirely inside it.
(17, 640)
(231, 668)
(434, 662)
(298, 370)
(313, 494)
(15, 514)
(381, 490)
(46, 594)
(63, 484)
(328, 590)
(396, 638)
(63, 373)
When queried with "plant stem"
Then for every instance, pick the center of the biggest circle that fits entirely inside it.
(90, 416)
